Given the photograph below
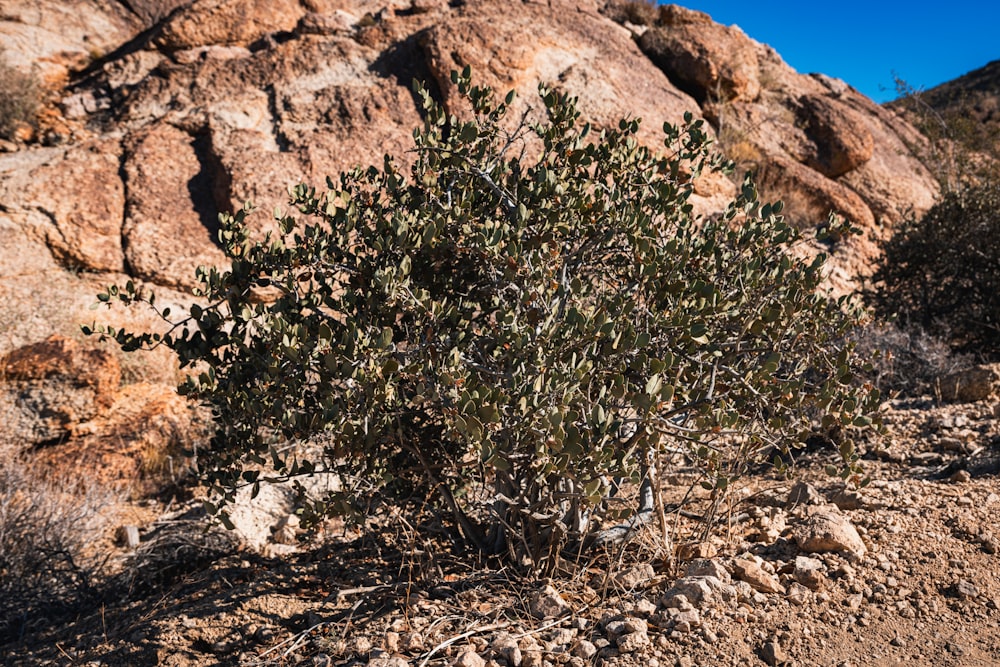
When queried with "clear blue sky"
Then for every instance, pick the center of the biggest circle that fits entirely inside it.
(864, 42)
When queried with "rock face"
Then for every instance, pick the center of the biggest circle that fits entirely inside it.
(173, 111)
(171, 215)
(51, 386)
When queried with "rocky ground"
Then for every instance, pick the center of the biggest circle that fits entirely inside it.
(903, 571)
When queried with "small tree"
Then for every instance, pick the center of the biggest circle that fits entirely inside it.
(531, 315)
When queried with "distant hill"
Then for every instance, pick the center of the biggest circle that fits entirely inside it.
(965, 111)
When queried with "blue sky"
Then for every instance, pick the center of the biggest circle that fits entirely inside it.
(925, 43)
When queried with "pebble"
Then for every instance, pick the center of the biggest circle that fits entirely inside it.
(547, 603)
(772, 653)
(469, 659)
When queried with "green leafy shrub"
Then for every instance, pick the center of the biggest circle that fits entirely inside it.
(529, 316)
(20, 96)
(941, 273)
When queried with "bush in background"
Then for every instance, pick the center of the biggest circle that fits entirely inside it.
(48, 560)
(941, 274)
(905, 362)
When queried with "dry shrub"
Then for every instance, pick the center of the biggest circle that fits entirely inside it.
(48, 524)
(906, 362)
(20, 96)
(639, 12)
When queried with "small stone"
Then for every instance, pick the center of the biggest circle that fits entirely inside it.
(797, 593)
(507, 648)
(847, 499)
(547, 603)
(685, 620)
(678, 601)
(644, 607)
(706, 567)
(772, 653)
(700, 591)
(752, 573)
(361, 645)
(693, 550)
(533, 659)
(469, 658)
(809, 572)
(830, 531)
(635, 577)
(804, 494)
(632, 642)
(583, 649)
(966, 590)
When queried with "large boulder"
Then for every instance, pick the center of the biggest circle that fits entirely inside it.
(227, 22)
(707, 60)
(82, 195)
(842, 142)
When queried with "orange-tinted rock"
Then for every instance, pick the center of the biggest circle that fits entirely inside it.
(810, 197)
(708, 60)
(137, 441)
(171, 212)
(842, 141)
(51, 387)
(226, 22)
(83, 196)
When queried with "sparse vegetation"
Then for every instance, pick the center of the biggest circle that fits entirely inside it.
(514, 336)
(962, 151)
(906, 361)
(638, 12)
(48, 564)
(20, 96)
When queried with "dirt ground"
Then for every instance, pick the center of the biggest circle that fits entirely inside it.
(926, 591)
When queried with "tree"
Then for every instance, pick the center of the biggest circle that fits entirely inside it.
(530, 317)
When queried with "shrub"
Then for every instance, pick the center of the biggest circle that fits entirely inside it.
(533, 314)
(905, 362)
(48, 566)
(19, 98)
(638, 12)
(941, 273)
